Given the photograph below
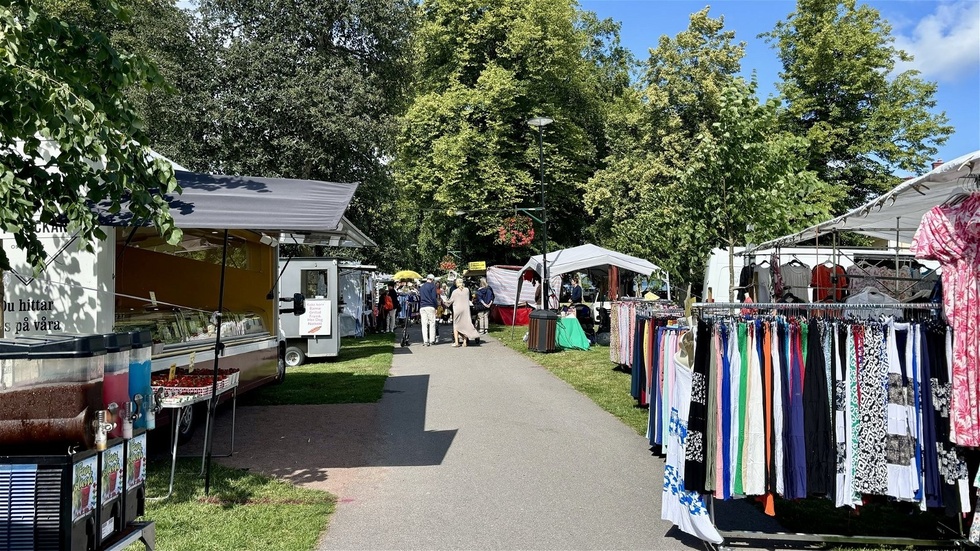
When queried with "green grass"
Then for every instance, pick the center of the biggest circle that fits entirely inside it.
(589, 372)
(243, 511)
(357, 376)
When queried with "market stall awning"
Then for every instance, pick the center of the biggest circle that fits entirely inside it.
(210, 201)
(345, 235)
(896, 214)
(589, 257)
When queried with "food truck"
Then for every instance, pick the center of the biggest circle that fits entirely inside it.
(334, 292)
(133, 280)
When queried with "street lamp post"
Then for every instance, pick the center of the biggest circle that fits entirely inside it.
(540, 123)
(544, 321)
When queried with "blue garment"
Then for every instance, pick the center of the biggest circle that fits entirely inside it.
(428, 298)
(484, 294)
(795, 483)
(726, 414)
(576, 294)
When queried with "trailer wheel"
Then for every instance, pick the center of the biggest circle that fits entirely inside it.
(294, 356)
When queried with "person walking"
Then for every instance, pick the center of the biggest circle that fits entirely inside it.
(389, 306)
(462, 321)
(484, 300)
(428, 302)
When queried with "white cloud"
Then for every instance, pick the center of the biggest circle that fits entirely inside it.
(945, 43)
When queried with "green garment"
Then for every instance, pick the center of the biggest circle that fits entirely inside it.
(569, 334)
(743, 350)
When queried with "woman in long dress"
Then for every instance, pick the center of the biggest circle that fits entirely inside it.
(462, 319)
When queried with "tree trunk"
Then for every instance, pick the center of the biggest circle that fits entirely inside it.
(731, 268)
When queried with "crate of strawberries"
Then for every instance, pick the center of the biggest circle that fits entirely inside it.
(192, 383)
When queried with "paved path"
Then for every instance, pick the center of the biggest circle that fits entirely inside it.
(483, 449)
(470, 448)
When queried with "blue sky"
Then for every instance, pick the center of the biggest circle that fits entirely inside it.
(943, 36)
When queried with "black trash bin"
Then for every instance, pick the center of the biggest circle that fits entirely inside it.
(541, 331)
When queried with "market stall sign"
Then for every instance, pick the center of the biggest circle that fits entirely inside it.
(482, 265)
(316, 320)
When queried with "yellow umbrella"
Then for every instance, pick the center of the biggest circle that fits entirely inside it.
(406, 274)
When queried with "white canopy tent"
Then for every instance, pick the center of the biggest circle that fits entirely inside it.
(589, 257)
(896, 215)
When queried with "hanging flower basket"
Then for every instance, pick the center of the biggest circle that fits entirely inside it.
(447, 264)
(516, 231)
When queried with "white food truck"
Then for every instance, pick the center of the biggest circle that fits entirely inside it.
(334, 292)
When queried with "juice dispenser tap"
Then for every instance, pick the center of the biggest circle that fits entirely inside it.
(131, 412)
(102, 426)
(153, 408)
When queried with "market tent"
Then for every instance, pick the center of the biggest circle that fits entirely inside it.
(586, 257)
(896, 214)
(592, 257)
(504, 281)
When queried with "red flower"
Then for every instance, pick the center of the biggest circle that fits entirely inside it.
(516, 231)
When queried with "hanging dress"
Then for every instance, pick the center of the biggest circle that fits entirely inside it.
(871, 476)
(686, 510)
(900, 449)
(818, 432)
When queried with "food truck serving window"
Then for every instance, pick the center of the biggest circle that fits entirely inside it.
(314, 283)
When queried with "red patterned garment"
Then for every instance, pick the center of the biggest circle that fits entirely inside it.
(951, 235)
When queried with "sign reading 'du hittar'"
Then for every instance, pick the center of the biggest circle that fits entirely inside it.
(37, 315)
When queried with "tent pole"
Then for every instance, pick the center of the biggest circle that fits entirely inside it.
(213, 403)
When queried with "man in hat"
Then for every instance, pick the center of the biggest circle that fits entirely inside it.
(428, 302)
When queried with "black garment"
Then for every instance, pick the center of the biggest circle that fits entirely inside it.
(817, 420)
(950, 458)
(930, 461)
(745, 281)
(695, 467)
(638, 372)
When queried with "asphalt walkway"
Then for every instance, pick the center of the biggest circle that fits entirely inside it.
(480, 448)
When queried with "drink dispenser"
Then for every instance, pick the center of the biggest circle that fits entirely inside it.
(50, 390)
(139, 378)
(115, 389)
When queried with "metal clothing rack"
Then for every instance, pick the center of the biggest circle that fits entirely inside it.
(816, 306)
(744, 535)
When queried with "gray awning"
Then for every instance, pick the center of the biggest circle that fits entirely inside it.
(247, 203)
(896, 214)
(345, 235)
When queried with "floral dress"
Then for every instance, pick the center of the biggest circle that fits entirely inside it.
(951, 235)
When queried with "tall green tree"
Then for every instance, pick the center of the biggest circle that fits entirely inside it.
(862, 120)
(696, 160)
(484, 69)
(68, 134)
(310, 89)
(651, 136)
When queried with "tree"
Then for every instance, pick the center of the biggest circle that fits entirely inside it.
(651, 136)
(484, 69)
(697, 160)
(862, 121)
(309, 89)
(68, 135)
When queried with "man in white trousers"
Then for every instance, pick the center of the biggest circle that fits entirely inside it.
(428, 301)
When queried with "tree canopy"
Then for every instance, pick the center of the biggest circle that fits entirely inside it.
(483, 70)
(68, 135)
(838, 83)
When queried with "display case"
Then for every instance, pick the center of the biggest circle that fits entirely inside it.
(177, 329)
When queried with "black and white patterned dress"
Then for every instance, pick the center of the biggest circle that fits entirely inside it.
(871, 473)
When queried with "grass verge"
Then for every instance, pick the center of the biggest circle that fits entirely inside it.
(356, 376)
(588, 371)
(243, 511)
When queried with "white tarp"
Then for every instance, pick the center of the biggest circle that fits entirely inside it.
(897, 214)
(589, 256)
(503, 281)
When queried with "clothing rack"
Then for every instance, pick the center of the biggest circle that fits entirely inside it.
(731, 536)
(816, 306)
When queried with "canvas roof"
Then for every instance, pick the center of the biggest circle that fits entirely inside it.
(897, 214)
(589, 256)
(305, 211)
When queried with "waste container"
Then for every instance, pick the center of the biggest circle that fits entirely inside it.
(541, 331)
